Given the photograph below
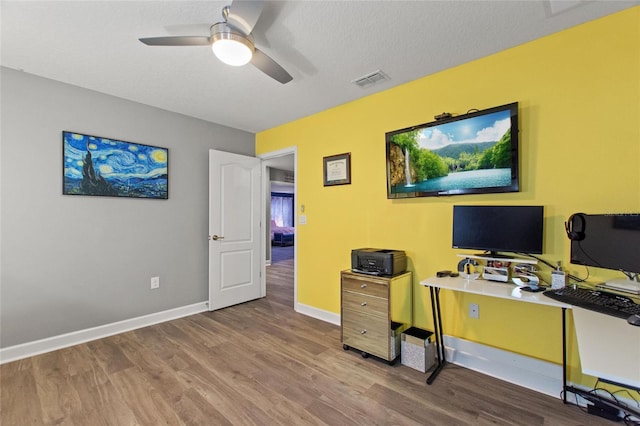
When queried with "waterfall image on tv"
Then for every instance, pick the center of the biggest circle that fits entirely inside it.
(472, 153)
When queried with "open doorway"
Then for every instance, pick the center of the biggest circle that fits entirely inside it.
(281, 218)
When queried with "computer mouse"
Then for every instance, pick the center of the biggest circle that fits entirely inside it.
(634, 320)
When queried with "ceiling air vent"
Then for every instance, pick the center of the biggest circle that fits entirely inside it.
(370, 79)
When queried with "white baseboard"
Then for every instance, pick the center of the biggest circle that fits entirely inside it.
(531, 373)
(316, 313)
(25, 350)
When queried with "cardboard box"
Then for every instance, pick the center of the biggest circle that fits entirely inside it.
(417, 349)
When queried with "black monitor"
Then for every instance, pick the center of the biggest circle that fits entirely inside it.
(609, 241)
(494, 229)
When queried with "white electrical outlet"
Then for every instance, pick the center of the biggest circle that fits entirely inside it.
(474, 310)
(155, 282)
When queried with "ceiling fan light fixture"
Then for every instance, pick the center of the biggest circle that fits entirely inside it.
(232, 49)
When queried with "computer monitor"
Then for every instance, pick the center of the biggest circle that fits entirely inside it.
(609, 241)
(495, 229)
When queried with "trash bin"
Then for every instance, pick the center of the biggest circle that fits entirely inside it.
(417, 349)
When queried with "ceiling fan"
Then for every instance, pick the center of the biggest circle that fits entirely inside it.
(231, 40)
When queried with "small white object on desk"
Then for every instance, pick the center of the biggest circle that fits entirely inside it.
(558, 278)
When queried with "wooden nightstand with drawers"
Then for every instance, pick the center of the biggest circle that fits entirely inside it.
(374, 311)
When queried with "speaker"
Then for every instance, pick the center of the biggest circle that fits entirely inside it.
(575, 227)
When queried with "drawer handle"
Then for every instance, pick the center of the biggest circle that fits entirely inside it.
(363, 332)
(363, 304)
(363, 286)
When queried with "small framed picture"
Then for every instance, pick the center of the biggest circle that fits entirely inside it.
(337, 169)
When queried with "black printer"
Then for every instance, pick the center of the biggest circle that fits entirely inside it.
(378, 261)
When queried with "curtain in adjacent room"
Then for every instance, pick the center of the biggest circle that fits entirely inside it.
(282, 209)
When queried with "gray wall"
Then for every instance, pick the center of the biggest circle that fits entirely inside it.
(73, 262)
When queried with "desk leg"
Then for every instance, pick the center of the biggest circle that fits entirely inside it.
(437, 330)
(564, 355)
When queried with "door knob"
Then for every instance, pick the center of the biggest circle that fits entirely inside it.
(216, 238)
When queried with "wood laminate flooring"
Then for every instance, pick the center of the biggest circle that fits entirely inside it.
(258, 363)
(279, 254)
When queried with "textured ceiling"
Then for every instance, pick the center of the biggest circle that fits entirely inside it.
(324, 45)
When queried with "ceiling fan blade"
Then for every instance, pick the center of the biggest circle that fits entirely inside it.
(176, 41)
(243, 15)
(270, 67)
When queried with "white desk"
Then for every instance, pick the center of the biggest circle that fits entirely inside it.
(609, 348)
(491, 289)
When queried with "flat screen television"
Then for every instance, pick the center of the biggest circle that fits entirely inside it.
(609, 241)
(495, 229)
(472, 153)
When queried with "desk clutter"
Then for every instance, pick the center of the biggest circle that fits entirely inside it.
(521, 272)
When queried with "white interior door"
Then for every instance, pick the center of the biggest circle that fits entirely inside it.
(234, 229)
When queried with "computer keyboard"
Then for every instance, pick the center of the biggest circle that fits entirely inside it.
(596, 300)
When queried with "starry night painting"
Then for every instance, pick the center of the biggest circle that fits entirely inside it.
(109, 167)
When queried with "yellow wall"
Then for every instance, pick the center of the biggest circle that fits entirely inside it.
(579, 101)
